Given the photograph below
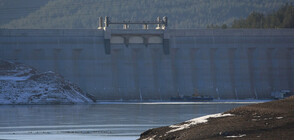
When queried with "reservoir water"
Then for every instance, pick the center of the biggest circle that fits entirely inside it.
(100, 121)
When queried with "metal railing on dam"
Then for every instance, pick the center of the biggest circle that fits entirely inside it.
(225, 64)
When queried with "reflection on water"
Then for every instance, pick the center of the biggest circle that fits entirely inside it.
(103, 121)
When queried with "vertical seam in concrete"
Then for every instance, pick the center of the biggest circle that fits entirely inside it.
(135, 68)
(212, 70)
(251, 71)
(76, 68)
(288, 67)
(270, 68)
(291, 69)
(232, 52)
(156, 70)
(174, 69)
(114, 73)
(193, 52)
(56, 58)
(121, 59)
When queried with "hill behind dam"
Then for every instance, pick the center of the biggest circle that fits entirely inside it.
(72, 14)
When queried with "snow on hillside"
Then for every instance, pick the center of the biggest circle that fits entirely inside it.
(21, 84)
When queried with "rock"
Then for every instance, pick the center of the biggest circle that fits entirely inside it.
(22, 84)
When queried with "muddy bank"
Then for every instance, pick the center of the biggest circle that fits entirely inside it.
(270, 120)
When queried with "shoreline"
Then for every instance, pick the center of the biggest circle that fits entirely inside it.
(102, 102)
(175, 103)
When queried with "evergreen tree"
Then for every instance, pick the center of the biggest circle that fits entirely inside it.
(282, 18)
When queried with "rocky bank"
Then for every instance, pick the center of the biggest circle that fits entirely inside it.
(22, 84)
(270, 121)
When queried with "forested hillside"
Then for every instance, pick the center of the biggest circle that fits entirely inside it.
(282, 18)
(15, 9)
(181, 13)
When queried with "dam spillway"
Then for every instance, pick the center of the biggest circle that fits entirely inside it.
(225, 64)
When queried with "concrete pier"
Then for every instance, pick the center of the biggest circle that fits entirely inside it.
(225, 64)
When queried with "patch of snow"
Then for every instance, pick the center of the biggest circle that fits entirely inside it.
(13, 78)
(239, 136)
(196, 121)
(51, 72)
(267, 119)
(150, 138)
(279, 118)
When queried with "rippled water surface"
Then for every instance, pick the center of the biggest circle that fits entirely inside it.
(101, 121)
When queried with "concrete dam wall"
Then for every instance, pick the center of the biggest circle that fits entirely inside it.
(157, 64)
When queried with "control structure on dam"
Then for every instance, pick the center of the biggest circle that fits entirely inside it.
(155, 64)
(127, 37)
